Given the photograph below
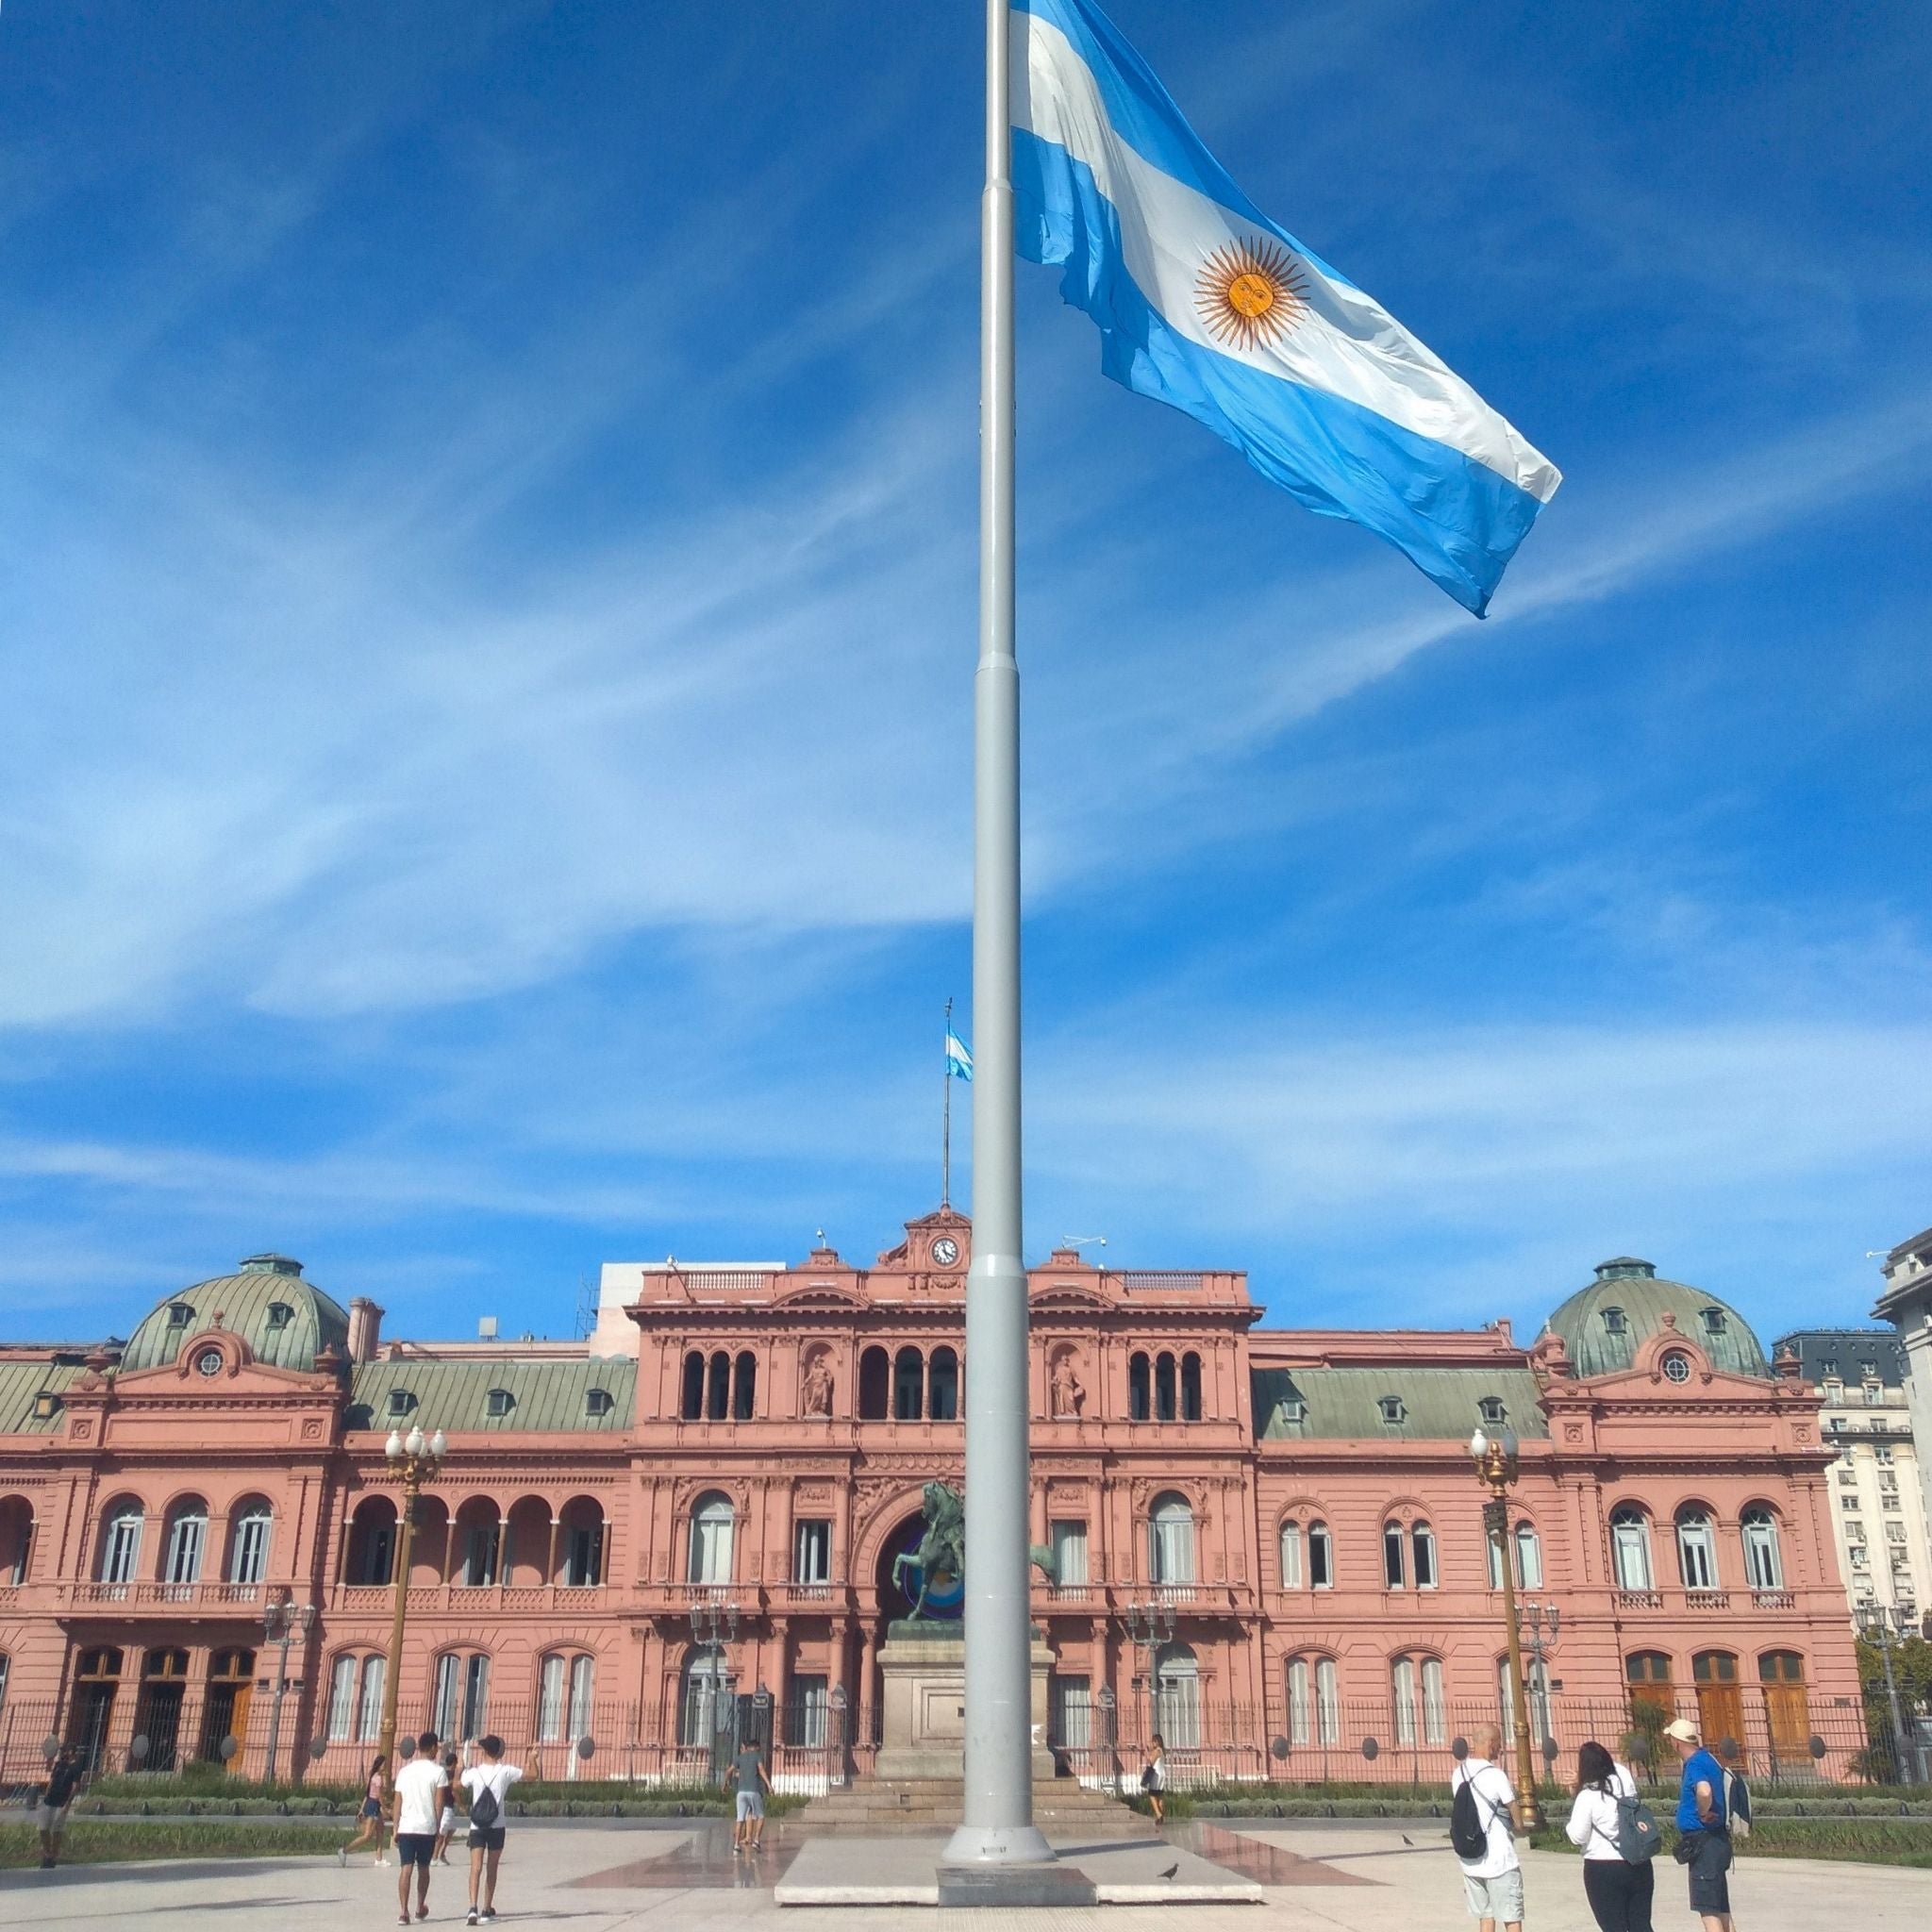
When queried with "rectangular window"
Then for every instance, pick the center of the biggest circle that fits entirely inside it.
(1848, 1479)
(812, 1552)
(1860, 1557)
(1320, 1558)
(550, 1701)
(584, 1565)
(1073, 1711)
(808, 1713)
(341, 1699)
(1392, 1555)
(1069, 1554)
(476, 1697)
(1291, 1555)
(479, 1560)
(582, 1677)
(1894, 1532)
(1848, 1502)
(368, 1718)
(1299, 1730)
(1855, 1532)
(1328, 1701)
(1882, 1454)
(1888, 1502)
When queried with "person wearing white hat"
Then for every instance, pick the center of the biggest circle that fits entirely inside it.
(1703, 1840)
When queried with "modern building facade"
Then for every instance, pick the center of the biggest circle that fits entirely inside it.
(1907, 1303)
(1876, 1491)
(1268, 1541)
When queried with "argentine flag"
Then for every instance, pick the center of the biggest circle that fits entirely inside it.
(959, 1058)
(1205, 302)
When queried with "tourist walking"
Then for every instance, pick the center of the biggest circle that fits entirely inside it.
(1153, 1779)
(65, 1774)
(486, 1794)
(1483, 1838)
(446, 1824)
(1618, 1838)
(419, 1789)
(1703, 1840)
(747, 1774)
(371, 1820)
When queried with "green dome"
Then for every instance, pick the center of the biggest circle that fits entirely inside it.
(285, 1320)
(1602, 1325)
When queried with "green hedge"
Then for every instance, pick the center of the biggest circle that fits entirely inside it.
(87, 1842)
(1861, 1841)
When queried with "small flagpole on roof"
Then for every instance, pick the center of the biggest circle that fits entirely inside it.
(946, 1120)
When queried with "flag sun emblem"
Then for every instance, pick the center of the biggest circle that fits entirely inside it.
(1250, 294)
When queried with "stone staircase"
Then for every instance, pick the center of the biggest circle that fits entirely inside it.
(1063, 1808)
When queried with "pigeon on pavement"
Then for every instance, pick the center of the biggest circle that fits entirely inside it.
(1171, 1869)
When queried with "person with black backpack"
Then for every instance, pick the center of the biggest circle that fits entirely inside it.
(487, 1787)
(1613, 1828)
(1483, 1836)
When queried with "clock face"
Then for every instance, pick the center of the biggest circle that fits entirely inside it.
(209, 1362)
(945, 1251)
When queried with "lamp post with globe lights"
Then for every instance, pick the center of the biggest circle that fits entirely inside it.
(282, 1623)
(413, 1460)
(1882, 1628)
(1496, 1464)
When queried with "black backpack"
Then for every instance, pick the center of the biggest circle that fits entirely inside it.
(1468, 1833)
(484, 1809)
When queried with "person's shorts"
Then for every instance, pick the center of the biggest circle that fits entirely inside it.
(485, 1838)
(50, 1817)
(446, 1824)
(371, 1807)
(1499, 1898)
(414, 1847)
(750, 1805)
(1709, 1865)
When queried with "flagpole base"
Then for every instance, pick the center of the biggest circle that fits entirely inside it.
(998, 1844)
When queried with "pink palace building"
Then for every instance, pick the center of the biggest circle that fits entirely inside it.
(1268, 1541)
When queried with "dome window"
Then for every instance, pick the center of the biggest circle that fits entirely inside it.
(401, 1401)
(46, 1405)
(1677, 1368)
(179, 1314)
(1713, 1320)
(279, 1314)
(598, 1402)
(1394, 1410)
(501, 1402)
(1492, 1411)
(1616, 1321)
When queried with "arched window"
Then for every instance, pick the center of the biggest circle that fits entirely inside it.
(248, 1542)
(1321, 1557)
(1421, 1541)
(1696, 1548)
(481, 1543)
(875, 1386)
(942, 1387)
(1630, 1548)
(1165, 1403)
(1291, 1555)
(710, 1540)
(583, 1546)
(1190, 1387)
(1170, 1541)
(187, 1541)
(1416, 1688)
(1177, 1697)
(16, 1539)
(692, 1407)
(704, 1708)
(350, 1717)
(909, 1386)
(461, 1695)
(1140, 1388)
(368, 1711)
(1539, 1712)
(563, 1699)
(718, 1389)
(744, 1387)
(1765, 1566)
(373, 1540)
(1648, 1675)
(1392, 1564)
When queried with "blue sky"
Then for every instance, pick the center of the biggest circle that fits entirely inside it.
(487, 504)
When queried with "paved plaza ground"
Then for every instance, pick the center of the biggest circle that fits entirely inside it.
(589, 1877)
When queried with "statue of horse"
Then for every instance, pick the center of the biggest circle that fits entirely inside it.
(942, 1550)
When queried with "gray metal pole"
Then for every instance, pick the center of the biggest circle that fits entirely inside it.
(998, 1812)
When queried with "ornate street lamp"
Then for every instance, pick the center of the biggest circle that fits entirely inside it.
(1149, 1626)
(413, 1460)
(1496, 1465)
(713, 1625)
(282, 1623)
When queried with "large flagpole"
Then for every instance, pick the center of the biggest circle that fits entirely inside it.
(998, 1816)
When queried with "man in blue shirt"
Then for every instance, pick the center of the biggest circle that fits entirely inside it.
(1705, 1847)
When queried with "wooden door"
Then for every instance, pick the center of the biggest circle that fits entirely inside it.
(1786, 1707)
(1720, 1704)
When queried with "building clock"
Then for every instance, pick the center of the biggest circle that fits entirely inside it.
(945, 1251)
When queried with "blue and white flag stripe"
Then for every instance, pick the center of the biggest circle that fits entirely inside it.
(1344, 408)
(959, 1058)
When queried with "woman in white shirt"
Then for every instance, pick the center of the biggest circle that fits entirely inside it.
(1619, 1893)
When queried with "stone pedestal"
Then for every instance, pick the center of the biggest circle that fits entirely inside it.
(923, 1704)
